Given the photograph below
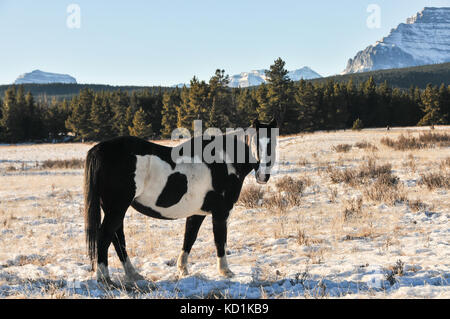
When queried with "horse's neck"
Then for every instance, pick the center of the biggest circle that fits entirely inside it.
(247, 165)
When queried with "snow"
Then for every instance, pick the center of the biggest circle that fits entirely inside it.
(41, 77)
(257, 77)
(423, 39)
(42, 247)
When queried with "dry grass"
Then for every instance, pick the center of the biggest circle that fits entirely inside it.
(361, 175)
(426, 140)
(385, 189)
(435, 180)
(366, 145)
(353, 209)
(73, 163)
(342, 148)
(445, 163)
(417, 205)
(251, 196)
(292, 189)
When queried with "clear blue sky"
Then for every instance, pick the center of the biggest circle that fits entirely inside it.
(168, 42)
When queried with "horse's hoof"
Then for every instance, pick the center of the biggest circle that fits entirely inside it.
(182, 272)
(134, 277)
(226, 273)
(107, 283)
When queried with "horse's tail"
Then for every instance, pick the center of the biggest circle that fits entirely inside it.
(92, 214)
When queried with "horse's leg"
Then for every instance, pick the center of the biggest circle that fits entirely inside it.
(219, 220)
(193, 224)
(111, 222)
(119, 244)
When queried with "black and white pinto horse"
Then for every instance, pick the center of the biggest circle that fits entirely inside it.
(128, 171)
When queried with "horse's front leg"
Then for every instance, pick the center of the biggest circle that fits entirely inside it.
(193, 224)
(219, 220)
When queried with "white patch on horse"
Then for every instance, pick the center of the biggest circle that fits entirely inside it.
(142, 170)
(151, 179)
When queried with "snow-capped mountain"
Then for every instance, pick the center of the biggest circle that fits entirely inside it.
(41, 77)
(423, 39)
(257, 77)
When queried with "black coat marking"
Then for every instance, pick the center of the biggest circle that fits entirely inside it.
(147, 211)
(176, 187)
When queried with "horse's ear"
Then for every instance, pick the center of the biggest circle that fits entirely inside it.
(273, 123)
(255, 123)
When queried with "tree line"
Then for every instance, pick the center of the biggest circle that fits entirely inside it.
(297, 107)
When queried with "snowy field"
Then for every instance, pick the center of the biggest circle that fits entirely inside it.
(335, 240)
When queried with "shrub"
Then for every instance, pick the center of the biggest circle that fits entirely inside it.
(360, 176)
(251, 196)
(342, 148)
(426, 140)
(366, 145)
(385, 189)
(73, 163)
(353, 209)
(292, 188)
(435, 180)
(358, 125)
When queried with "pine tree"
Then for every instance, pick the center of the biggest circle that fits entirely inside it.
(280, 97)
(444, 103)
(183, 114)
(78, 121)
(100, 119)
(195, 105)
(119, 102)
(308, 100)
(370, 102)
(219, 99)
(341, 114)
(246, 108)
(11, 120)
(140, 127)
(171, 101)
(431, 107)
(55, 117)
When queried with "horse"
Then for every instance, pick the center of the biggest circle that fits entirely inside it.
(129, 171)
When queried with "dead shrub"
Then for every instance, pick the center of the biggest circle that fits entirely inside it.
(292, 189)
(445, 163)
(366, 145)
(303, 161)
(435, 180)
(417, 205)
(426, 140)
(73, 163)
(302, 238)
(353, 209)
(342, 148)
(277, 203)
(360, 176)
(385, 189)
(251, 196)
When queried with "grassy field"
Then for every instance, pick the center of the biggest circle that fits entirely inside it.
(345, 215)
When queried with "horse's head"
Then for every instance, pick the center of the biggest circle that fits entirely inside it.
(263, 147)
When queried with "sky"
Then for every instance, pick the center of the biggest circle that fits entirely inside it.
(168, 42)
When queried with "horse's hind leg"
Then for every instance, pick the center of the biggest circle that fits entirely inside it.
(193, 224)
(119, 244)
(111, 223)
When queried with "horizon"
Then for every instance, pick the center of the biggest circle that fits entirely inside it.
(154, 44)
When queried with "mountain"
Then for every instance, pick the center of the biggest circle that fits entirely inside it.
(41, 77)
(257, 77)
(423, 39)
